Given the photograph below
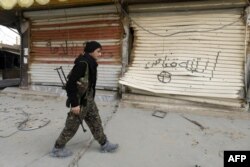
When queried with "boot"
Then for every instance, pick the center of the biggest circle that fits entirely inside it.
(60, 152)
(109, 147)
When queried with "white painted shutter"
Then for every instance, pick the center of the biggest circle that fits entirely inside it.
(199, 53)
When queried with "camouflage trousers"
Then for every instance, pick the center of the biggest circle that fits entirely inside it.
(90, 114)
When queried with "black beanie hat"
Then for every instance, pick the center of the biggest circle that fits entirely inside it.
(91, 46)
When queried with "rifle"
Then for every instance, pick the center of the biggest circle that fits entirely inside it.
(61, 73)
(64, 80)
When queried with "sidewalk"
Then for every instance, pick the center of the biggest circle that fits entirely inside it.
(177, 140)
(46, 116)
(173, 141)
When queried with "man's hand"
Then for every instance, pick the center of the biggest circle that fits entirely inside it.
(75, 110)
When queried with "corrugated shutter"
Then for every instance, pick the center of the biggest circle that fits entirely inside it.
(198, 53)
(57, 38)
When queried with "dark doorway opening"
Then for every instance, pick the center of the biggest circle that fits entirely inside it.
(9, 68)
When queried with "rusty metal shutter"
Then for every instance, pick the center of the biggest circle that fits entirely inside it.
(57, 38)
(196, 53)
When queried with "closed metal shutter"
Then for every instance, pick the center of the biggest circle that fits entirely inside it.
(197, 53)
(57, 38)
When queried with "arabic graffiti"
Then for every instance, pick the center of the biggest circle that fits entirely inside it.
(164, 77)
(64, 49)
(194, 65)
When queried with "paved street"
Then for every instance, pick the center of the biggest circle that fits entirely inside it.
(30, 122)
